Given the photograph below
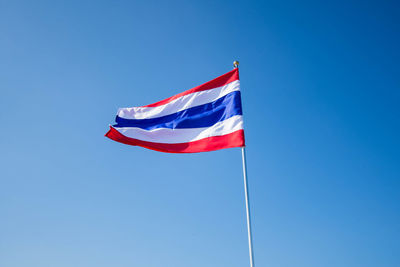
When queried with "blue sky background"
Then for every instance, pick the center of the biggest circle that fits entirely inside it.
(321, 90)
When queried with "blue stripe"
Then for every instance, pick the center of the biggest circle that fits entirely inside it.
(196, 117)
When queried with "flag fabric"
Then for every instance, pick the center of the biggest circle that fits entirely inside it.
(205, 118)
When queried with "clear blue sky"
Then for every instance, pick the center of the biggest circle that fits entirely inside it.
(321, 92)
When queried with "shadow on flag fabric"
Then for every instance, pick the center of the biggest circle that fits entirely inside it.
(205, 118)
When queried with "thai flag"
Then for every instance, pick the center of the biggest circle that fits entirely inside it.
(205, 118)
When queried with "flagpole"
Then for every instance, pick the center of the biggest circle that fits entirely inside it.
(246, 193)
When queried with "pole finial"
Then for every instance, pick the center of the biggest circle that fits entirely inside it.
(235, 64)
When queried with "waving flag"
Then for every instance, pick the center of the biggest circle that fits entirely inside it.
(205, 118)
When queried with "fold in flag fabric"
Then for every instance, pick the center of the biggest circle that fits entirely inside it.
(205, 118)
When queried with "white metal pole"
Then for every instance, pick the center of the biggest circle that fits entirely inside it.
(246, 193)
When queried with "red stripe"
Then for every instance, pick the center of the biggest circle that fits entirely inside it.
(235, 139)
(222, 80)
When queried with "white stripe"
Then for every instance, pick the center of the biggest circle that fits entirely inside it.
(173, 136)
(181, 103)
